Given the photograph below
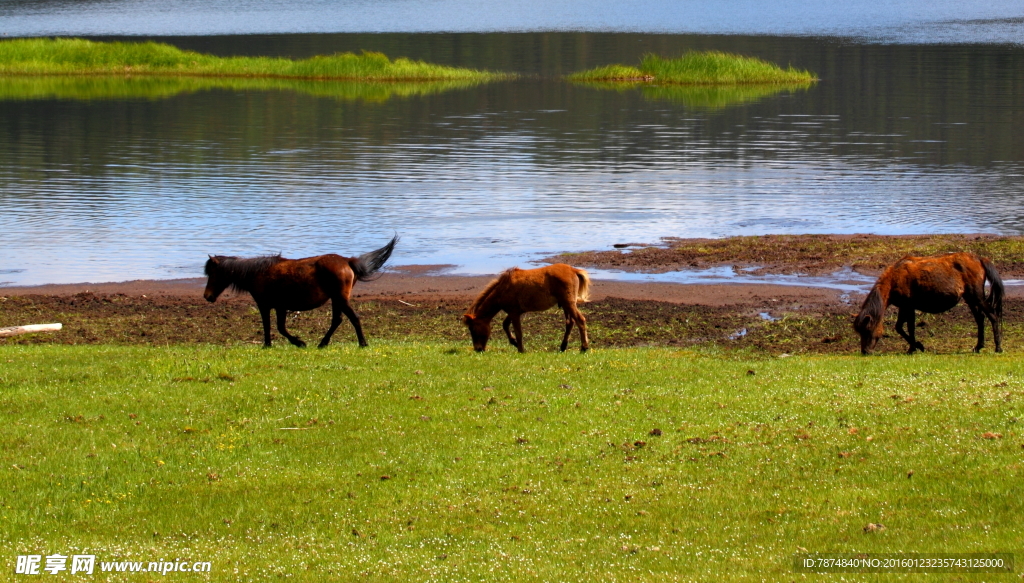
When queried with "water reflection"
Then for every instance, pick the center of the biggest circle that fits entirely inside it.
(159, 87)
(893, 140)
(703, 97)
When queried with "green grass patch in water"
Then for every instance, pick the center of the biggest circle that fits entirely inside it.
(698, 68)
(70, 56)
(426, 461)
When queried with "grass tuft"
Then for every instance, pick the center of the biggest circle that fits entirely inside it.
(698, 68)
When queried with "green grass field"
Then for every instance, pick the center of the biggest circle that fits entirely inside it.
(698, 68)
(425, 461)
(71, 56)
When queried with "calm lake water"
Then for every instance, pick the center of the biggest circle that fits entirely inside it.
(115, 180)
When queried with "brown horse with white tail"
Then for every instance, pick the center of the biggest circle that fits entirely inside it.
(518, 291)
(933, 285)
(297, 285)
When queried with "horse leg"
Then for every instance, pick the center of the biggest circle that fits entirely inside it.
(981, 309)
(504, 325)
(581, 321)
(568, 330)
(335, 322)
(346, 309)
(265, 316)
(911, 329)
(517, 325)
(997, 328)
(281, 316)
(906, 317)
(979, 319)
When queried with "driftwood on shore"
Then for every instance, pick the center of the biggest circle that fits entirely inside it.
(28, 329)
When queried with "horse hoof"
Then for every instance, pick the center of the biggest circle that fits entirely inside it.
(584, 349)
(364, 345)
(999, 349)
(321, 345)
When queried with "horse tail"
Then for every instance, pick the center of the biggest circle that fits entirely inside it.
(995, 295)
(583, 295)
(370, 263)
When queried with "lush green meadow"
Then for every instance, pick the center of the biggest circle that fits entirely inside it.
(72, 56)
(425, 461)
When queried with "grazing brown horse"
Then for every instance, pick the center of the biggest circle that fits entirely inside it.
(287, 285)
(518, 291)
(933, 285)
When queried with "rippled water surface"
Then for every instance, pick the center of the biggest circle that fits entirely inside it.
(913, 21)
(102, 183)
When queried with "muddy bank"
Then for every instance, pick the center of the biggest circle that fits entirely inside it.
(423, 282)
(420, 302)
(803, 254)
(415, 305)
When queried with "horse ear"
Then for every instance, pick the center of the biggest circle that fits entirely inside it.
(214, 260)
(466, 319)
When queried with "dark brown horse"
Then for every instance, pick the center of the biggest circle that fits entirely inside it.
(933, 285)
(518, 291)
(296, 285)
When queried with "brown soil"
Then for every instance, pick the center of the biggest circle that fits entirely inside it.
(411, 303)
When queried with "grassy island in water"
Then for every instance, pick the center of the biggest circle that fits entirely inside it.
(697, 68)
(64, 56)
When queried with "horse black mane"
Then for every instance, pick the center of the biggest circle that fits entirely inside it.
(241, 269)
(872, 309)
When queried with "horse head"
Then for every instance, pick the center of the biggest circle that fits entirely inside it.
(869, 322)
(870, 331)
(479, 330)
(218, 280)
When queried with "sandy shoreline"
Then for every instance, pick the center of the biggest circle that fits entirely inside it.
(813, 255)
(422, 283)
(418, 303)
(426, 302)
(427, 282)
